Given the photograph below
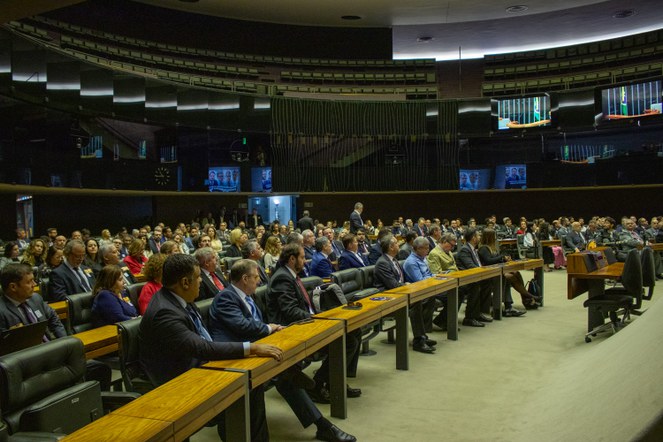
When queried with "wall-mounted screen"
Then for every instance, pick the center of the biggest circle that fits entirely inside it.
(474, 117)
(223, 179)
(523, 112)
(573, 109)
(261, 179)
(511, 176)
(474, 179)
(632, 101)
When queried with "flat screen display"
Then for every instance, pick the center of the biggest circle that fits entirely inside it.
(474, 179)
(573, 109)
(632, 101)
(523, 112)
(261, 179)
(223, 179)
(511, 176)
(474, 117)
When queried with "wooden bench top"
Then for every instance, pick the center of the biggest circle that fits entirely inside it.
(118, 428)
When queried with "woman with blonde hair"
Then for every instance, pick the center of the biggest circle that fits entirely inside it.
(35, 253)
(136, 259)
(272, 251)
(237, 240)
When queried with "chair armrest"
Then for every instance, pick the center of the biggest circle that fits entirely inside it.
(33, 436)
(112, 400)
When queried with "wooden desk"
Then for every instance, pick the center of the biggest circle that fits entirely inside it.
(424, 289)
(373, 310)
(551, 242)
(117, 428)
(60, 308)
(657, 247)
(477, 274)
(507, 242)
(192, 399)
(299, 341)
(99, 341)
(535, 264)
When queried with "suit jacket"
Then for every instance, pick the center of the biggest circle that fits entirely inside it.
(374, 254)
(349, 260)
(64, 282)
(575, 239)
(305, 222)
(309, 251)
(466, 259)
(153, 245)
(337, 250)
(355, 222)
(321, 266)
(385, 276)
(251, 222)
(168, 343)
(439, 261)
(207, 287)
(10, 316)
(627, 241)
(285, 301)
(230, 319)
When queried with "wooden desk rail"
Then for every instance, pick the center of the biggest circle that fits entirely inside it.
(61, 309)
(117, 428)
(99, 341)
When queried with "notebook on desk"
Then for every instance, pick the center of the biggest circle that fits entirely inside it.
(18, 338)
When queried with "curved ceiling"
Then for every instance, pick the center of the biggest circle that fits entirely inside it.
(477, 27)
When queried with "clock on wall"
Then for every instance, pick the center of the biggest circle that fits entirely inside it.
(162, 176)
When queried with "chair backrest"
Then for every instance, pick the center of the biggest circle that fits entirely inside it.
(260, 298)
(648, 271)
(80, 311)
(632, 276)
(367, 276)
(204, 307)
(228, 262)
(42, 388)
(610, 255)
(349, 280)
(134, 292)
(311, 282)
(132, 374)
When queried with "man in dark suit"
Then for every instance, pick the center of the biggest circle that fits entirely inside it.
(478, 293)
(308, 242)
(156, 240)
(320, 264)
(355, 218)
(234, 316)
(19, 305)
(350, 258)
(254, 219)
(288, 302)
(388, 273)
(71, 276)
(252, 250)
(336, 246)
(172, 338)
(212, 279)
(420, 229)
(376, 249)
(305, 222)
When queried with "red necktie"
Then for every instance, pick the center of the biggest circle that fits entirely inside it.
(303, 289)
(217, 281)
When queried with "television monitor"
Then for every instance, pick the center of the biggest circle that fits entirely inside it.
(511, 176)
(223, 179)
(573, 109)
(523, 112)
(261, 179)
(635, 100)
(474, 117)
(474, 179)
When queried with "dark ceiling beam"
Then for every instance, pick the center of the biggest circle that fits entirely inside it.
(18, 9)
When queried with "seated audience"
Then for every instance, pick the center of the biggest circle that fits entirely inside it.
(92, 258)
(72, 276)
(172, 338)
(350, 258)
(575, 240)
(215, 242)
(478, 293)
(237, 240)
(110, 305)
(272, 251)
(234, 316)
(441, 260)
(11, 254)
(153, 273)
(35, 253)
(406, 249)
(308, 242)
(54, 258)
(212, 278)
(321, 265)
(170, 247)
(252, 250)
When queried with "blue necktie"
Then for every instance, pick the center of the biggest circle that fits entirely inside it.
(254, 308)
(197, 321)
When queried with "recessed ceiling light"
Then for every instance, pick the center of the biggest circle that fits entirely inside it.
(515, 9)
(624, 13)
(351, 17)
(425, 39)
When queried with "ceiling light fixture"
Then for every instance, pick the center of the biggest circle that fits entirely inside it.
(516, 9)
(624, 13)
(425, 39)
(351, 17)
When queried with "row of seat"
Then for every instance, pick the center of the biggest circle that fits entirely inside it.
(359, 77)
(571, 82)
(644, 40)
(250, 58)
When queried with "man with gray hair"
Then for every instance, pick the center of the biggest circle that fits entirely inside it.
(356, 222)
(421, 313)
(308, 243)
(252, 250)
(321, 264)
(111, 256)
(212, 278)
(71, 276)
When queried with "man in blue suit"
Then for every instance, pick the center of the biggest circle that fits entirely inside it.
(235, 317)
(350, 258)
(320, 264)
